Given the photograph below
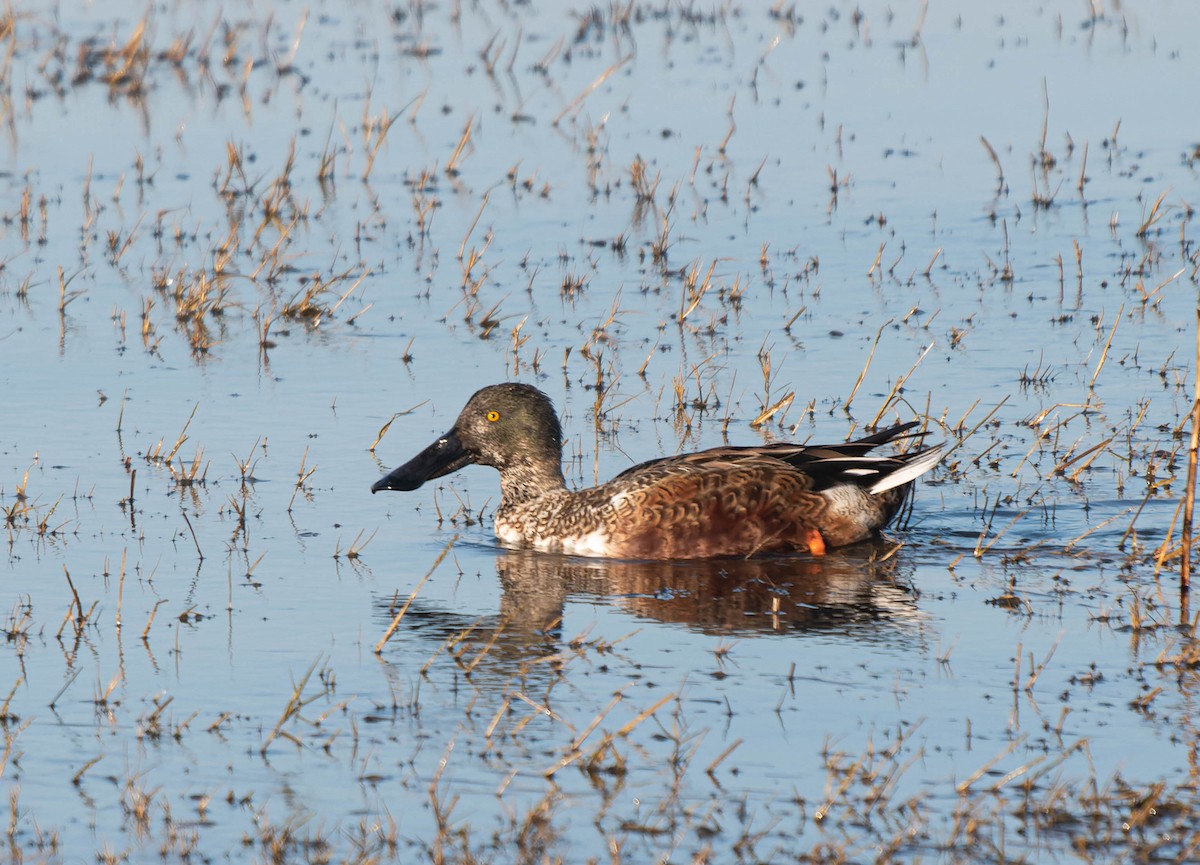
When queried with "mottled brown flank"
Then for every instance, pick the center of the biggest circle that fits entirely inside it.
(739, 510)
(683, 508)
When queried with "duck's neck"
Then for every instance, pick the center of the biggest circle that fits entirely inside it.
(526, 480)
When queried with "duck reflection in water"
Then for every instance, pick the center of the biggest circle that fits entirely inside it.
(860, 593)
(838, 592)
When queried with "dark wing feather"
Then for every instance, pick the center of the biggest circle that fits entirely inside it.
(825, 465)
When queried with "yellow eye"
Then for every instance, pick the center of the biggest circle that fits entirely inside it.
(493, 416)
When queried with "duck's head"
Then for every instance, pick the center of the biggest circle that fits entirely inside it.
(502, 426)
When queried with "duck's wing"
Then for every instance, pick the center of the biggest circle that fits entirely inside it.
(824, 465)
(748, 500)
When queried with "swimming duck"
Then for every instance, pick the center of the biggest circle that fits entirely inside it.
(725, 501)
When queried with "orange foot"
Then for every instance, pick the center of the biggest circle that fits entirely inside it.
(816, 543)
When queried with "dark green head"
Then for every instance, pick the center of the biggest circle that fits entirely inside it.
(503, 425)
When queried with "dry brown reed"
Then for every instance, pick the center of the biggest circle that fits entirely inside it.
(400, 614)
(1189, 496)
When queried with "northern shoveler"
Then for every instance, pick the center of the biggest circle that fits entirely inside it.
(726, 501)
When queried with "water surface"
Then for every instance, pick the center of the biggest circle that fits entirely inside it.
(237, 243)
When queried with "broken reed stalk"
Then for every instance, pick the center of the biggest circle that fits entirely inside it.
(6, 714)
(543, 711)
(897, 386)
(78, 605)
(1153, 216)
(356, 549)
(1104, 353)
(294, 704)
(500, 713)
(195, 540)
(121, 410)
(582, 737)
(382, 432)
(150, 621)
(1075, 541)
(975, 428)
(474, 222)
(862, 375)
(966, 785)
(182, 434)
(995, 161)
(1150, 491)
(1189, 496)
(1164, 549)
(452, 164)
(77, 778)
(496, 635)
(644, 714)
(929, 268)
(400, 615)
(721, 757)
(1035, 671)
(770, 412)
(383, 429)
(121, 587)
(66, 685)
(1042, 154)
(591, 88)
(303, 474)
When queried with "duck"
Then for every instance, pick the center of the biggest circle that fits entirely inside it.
(737, 501)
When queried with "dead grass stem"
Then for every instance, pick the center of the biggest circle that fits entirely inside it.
(400, 614)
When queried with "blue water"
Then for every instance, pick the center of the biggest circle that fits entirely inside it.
(917, 667)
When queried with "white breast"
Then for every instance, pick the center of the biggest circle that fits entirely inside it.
(595, 543)
(591, 544)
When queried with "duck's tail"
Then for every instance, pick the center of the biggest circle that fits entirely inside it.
(914, 465)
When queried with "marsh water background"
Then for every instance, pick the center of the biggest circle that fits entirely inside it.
(237, 243)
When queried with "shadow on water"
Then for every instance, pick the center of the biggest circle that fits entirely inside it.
(857, 593)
